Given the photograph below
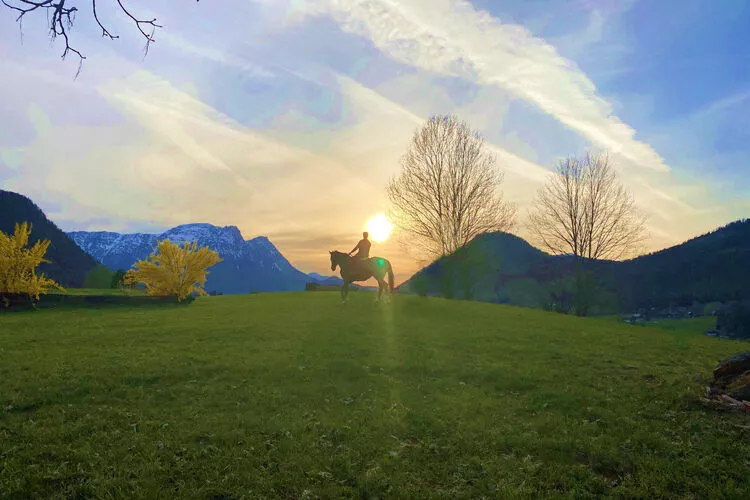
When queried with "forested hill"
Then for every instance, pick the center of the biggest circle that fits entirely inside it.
(69, 264)
(503, 268)
(711, 267)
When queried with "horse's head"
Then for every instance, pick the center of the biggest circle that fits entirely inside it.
(334, 260)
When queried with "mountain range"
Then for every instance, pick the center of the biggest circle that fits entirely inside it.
(253, 265)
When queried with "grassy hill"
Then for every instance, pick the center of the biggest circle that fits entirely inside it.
(295, 396)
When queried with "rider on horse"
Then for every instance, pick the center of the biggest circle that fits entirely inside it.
(361, 267)
(362, 248)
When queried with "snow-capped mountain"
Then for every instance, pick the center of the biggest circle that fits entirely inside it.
(249, 265)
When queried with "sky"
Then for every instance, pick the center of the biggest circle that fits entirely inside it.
(287, 118)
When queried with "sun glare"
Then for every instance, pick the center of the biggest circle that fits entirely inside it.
(379, 228)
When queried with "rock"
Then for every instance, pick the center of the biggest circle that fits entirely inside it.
(735, 365)
(739, 388)
(732, 377)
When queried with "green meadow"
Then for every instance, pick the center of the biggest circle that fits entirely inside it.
(296, 396)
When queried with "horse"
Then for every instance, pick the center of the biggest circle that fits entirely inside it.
(354, 269)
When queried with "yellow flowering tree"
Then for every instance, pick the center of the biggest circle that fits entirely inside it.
(18, 264)
(174, 270)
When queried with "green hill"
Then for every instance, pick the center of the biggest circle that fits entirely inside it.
(295, 396)
(711, 267)
(69, 265)
(503, 268)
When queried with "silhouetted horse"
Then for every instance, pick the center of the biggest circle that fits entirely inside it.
(354, 269)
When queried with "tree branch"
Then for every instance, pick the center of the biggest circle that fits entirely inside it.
(61, 17)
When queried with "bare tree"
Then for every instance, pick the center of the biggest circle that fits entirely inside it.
(61, 16)
(583, 210)
(447, 192)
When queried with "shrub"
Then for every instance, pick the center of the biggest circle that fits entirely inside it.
(18, 264)
(118, 279)
(99, 277)
(558, 295)
(712, 308)
(174, 270)
(735, 320)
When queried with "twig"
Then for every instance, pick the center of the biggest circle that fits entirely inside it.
(62, 18)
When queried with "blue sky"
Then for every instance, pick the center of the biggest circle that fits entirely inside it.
(287, 117)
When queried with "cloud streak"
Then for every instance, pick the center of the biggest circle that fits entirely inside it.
(451, 37)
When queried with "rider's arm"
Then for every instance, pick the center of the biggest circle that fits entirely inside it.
(353, 249)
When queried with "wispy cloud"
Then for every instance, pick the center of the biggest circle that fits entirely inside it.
(247, 67)
(451, 37)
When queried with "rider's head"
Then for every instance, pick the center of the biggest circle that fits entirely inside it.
(365, 235)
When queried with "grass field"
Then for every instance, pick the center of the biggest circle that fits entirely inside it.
(700, 324)
(295, 396)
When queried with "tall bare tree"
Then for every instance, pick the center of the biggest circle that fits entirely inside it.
(583, 210)
(447, 192)
(61, 16)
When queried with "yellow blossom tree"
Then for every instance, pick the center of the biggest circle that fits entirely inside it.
(18, 264)
(174, 270)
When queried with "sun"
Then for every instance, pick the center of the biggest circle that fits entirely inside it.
(379, 228)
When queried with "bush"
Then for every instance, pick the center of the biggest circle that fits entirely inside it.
(118, 279)
(712, 308)
(558, 295)
(99, 277)
(174, 270)
(18, 264)
(734, 320)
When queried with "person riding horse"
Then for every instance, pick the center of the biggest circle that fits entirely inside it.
(362, 248)
(362, 267)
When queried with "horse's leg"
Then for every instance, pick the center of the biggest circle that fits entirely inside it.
(381, 286)
(344, 292)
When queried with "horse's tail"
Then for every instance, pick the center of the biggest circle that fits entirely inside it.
(390, 277)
